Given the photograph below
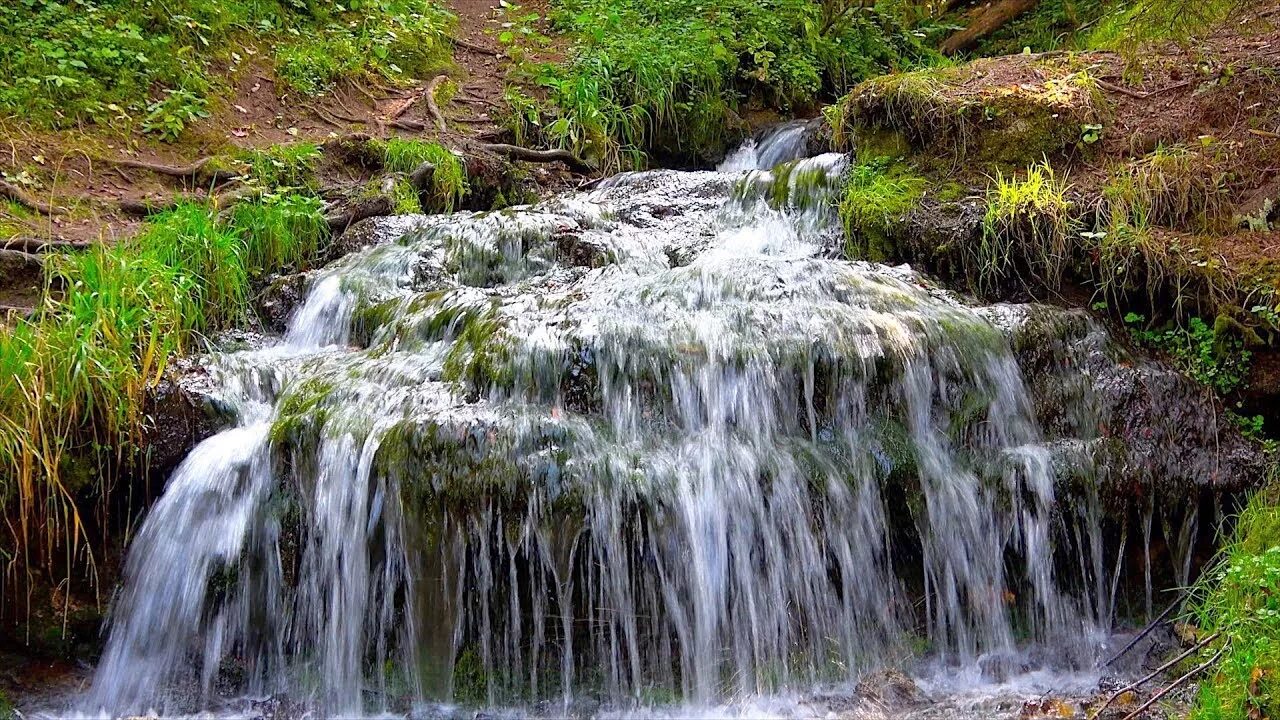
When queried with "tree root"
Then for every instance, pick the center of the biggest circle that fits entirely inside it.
(466, 45)
(1139, 95)
(515, 152)
(20, 196)
(198, 171)
(432, 108)
(32, 245)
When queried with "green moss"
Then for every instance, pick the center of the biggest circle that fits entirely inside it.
(480, 355)
(302, 405)
(876, 196)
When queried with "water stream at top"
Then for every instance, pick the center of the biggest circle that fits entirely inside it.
(648, 446)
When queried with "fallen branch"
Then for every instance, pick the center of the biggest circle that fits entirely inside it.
(515, 152)
(1142, 681)
(198, 170)
(1145, 631)
(20, 196)
(1178, 683)
(988, 21)
(432, 108)
(38, 245)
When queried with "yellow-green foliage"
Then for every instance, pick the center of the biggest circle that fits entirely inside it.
(289, 165)
(1128, 25)
(73, 378)
(1240, 600)
(449, 178)
(1028, 227)
(876, 194)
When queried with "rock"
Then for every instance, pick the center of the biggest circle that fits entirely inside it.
(180, 413)
(21, 278)
(892, 690)
(282, 295)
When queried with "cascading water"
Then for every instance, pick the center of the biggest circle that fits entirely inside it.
(651, 443)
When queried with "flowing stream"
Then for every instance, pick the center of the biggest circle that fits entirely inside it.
(644, 448)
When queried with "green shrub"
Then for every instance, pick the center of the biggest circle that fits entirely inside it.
(1216, 359)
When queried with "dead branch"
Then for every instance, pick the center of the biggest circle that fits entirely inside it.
(987, 22)
(1145, 631)
(20, 196)
(39, 245)
(515, 152)
(1142, 681)
(1179, 682)
(432, 108)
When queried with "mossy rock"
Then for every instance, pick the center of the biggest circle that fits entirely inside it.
(1006, 114)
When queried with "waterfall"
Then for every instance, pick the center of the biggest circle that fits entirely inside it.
(651, 443)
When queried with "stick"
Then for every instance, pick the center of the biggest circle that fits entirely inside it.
(1139, 683)
(20, 196)
(515, 152)
(1145, 631)
(1190, 674)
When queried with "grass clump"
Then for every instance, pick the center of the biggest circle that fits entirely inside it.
(1240, 600)
(668, 77)
(74, 378)
(289, 165)
(449, 180)
(156, 64)
(1028, 228)
(876, 194)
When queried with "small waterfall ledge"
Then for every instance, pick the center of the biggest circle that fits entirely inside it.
(656, 446)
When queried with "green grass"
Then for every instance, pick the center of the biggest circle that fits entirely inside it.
(876, 194)
(289, 165)
(73, 378)
(1240, 599)
(448, 182)
(1028, 227)
(160, 65)
(668, 76)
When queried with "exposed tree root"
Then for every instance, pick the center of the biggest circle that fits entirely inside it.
(432, 107)
(515, 152)
(466, 45)
(199, 171)
(20, 196)
(1137, 94)
(360, 210)
(39, 245)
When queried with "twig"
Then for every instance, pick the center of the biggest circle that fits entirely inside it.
(1139, 683)
(515, 152)
(20, 196)
(1176, 683)
(1145, 631)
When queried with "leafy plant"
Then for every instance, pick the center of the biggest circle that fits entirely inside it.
(1215, 359)
(170, 116)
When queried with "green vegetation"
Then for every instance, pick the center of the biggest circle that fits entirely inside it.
(73, 379)
(1027, 228)
(1217, 359)
(448, 180)
(668, 76)
(159, 66)
(877, 193)
(1239, 600)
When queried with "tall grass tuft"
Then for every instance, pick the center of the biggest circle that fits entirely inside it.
(448, 182)
(73, 378)
(1028, 227)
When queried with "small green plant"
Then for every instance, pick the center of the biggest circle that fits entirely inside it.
(449, 176)
(290, 165)
(1216, 359)
(170, 116)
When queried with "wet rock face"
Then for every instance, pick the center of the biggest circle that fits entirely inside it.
(279, 299)
(1153, 427)
(181, 412)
